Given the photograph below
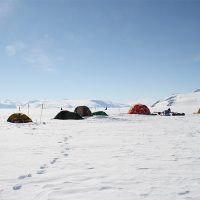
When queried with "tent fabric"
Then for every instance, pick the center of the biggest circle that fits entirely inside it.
(65, 115)
(198, 112)
(19, 118)
(139, 109)
(100, 113)
(166, 112)
(83, 111)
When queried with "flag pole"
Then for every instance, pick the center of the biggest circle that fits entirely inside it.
(41, 113)
(28, 109)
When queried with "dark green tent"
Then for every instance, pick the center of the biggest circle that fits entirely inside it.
(65, 114)
(100, 113)
(83, 111)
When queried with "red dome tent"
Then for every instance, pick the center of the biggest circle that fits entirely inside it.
(139, 109)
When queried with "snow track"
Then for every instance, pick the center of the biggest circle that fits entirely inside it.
(121, 157)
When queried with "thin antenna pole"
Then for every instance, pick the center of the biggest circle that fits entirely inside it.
(19, 111)
(28, 109)
(41, 113)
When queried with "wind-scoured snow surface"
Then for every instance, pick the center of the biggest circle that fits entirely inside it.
(119, 156)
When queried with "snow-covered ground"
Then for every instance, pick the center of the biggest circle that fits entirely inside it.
(118, 157)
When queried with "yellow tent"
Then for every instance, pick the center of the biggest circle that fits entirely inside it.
(19, 118)
(198, 112)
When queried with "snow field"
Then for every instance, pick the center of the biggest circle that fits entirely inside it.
(121, 157)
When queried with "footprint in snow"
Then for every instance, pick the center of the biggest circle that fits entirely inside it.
(24, 176)
(64, 153)
(41, 172)
(54, 160)
(64, 140)
(144, 195)
(17, 187)
(44, 166)
(182, 193)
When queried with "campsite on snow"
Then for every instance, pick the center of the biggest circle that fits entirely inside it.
(101, 150)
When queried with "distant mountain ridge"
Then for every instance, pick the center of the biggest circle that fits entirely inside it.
(198, 90)
(148, 102)
(7, 104)
(65, 104)
(189, 99)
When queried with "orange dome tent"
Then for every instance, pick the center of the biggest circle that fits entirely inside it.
(139, 109)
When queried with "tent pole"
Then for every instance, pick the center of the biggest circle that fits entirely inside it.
(28, 109)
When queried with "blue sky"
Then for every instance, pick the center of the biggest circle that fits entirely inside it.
(122, 51)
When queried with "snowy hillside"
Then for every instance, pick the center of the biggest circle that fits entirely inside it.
(198, 90)
(180, 100)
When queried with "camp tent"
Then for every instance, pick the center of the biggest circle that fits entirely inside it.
(65, 114)
(83, 111)
(19, 118)
(139, 109)
(100, 113)
(198, 112)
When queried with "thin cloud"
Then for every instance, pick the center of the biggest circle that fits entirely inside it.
(39, 58)
(7, 9)
(197, 58)
(11, 50)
